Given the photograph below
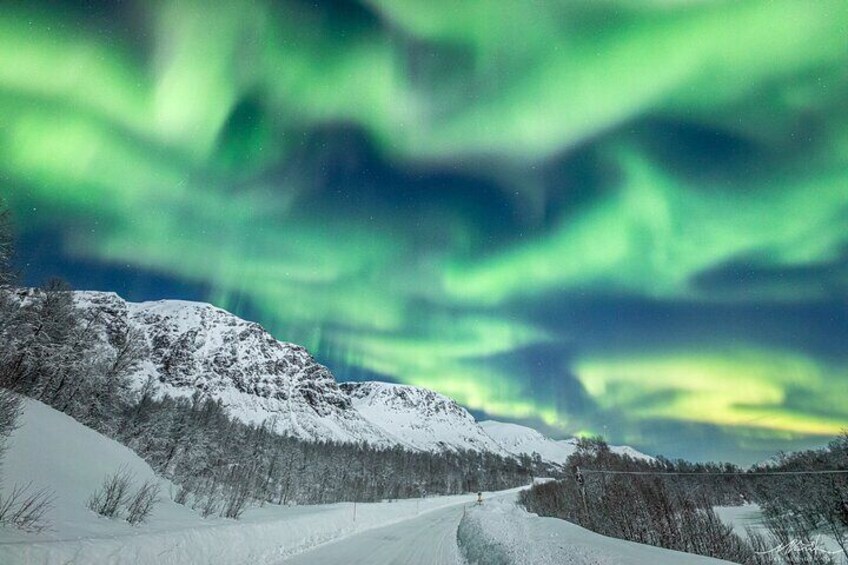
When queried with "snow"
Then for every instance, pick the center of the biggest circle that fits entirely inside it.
(517, 439)
(741, 518)
(419, 418)
(749, 517)
(429, 539)
(52, 450)
(500, 532)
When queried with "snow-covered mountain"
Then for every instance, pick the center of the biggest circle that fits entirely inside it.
(198, 347)
(194, 346)
(419, 417)
(517, 439)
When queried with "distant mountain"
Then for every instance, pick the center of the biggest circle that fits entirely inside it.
(517, 439)
(419, 417)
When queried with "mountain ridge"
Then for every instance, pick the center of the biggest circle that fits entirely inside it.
(197, 347)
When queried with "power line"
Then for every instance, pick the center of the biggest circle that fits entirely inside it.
(720, 473)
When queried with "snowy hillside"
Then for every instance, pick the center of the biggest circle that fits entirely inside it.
(419, 417)
(198, 347)
(53, 451)
(517, 439)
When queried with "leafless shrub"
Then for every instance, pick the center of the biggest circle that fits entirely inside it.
(25, 508)
(141, 504)
(114, 494)
(114, 499)
(208, 499)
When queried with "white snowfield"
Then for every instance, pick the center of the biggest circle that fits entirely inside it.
(750, 517)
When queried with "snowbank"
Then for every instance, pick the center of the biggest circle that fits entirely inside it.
(54, 451)
(499, 532)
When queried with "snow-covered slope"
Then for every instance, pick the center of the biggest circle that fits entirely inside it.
(419, 417)
(198, 347)
(517, 439)
(53, 451)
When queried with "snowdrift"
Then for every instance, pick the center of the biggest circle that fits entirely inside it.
(499, 532)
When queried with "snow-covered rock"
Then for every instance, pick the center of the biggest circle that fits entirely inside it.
(419, 417)
(198, 347)
(517, 439)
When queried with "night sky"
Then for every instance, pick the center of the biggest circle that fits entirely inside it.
(616, 217)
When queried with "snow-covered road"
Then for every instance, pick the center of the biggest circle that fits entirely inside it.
(429, 539)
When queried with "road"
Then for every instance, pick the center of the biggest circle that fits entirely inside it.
(429, 539)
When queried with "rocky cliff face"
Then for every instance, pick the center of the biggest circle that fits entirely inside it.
(198, 347)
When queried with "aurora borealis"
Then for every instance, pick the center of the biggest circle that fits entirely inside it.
(616, 217)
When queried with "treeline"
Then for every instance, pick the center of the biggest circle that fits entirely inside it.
(670, 503)
(56, 353)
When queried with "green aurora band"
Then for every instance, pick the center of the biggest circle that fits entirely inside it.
(193, 140)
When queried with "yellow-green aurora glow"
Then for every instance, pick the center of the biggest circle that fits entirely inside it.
(591, 216)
